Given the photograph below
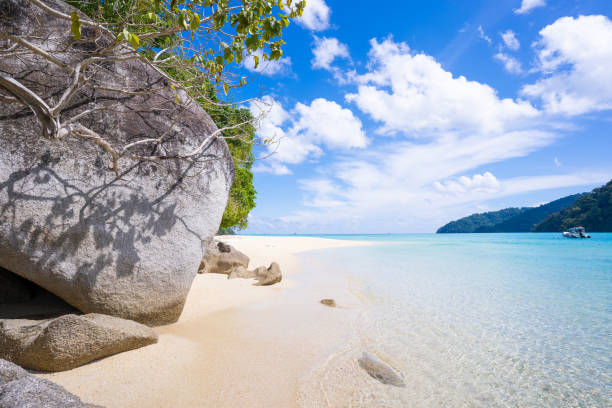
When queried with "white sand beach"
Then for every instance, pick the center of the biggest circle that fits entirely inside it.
(235, 345)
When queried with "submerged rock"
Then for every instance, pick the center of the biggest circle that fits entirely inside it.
(19, 389)
(69, 341)
(129, 246)
(380, 371)
(222, 258)
(328, 302)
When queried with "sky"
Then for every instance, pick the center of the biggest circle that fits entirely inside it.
(400, 118)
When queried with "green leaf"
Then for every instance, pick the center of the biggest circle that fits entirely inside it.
(134, 40)
(256, 58)
(75, 27)
(184, 22)
(195, 22)
(228, 55)
(225, 88)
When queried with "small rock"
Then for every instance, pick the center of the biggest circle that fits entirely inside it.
(19, 389)
(268, 276)
(222, 258)
(380, 371)
(328, 302)
(241, 272)
(69, 341)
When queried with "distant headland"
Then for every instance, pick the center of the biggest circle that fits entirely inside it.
(592, 210)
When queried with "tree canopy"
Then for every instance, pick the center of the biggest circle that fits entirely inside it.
(592, 211)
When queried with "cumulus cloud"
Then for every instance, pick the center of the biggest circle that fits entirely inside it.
(510, 63)
(316, 15)
(575, 57)
(268, 68)
(510, 40)
(413, 94)
(326, 50)
(296, 135)
(485, 182)
(528, 5)
(446, 128)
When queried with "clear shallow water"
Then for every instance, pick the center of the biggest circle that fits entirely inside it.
(517, 320)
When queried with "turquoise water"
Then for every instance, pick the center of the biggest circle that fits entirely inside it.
(517, 320)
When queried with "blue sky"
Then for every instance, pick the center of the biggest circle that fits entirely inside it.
(400, 119)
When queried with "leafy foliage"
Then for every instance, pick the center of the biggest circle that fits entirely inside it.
(212, 34)
(592, 211)
(240, 142)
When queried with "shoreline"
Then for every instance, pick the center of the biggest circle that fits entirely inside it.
(235, 344)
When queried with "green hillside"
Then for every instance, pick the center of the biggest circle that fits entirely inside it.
(476, 221)
(592, 211)
(528, 219)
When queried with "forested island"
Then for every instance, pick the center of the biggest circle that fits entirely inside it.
(591, 210)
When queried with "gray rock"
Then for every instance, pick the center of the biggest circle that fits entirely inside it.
(10, 372)
(19, 389)
(127, 247)
(222, 258)
(265, 276)
(241, 272)
(69, 341)
(380, 371)
(13, 288)
(268, 276)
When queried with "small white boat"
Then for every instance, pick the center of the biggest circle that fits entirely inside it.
(576, 232)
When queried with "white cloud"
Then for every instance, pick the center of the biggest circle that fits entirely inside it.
(272, 167)
(575, 56)
(446, 128)
(557, 162)
(268, 68)
(528, 5)
(483, 35)
(326, 51)
(413, 94)
(326, 122)
(485, 182)
(509, 38)
(300, 134)
(316, 15)
(511, 64)
(448, 131)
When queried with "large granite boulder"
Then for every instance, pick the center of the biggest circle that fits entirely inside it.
(19, 389)
(127, 246)
(222, 258)
(69, 341)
